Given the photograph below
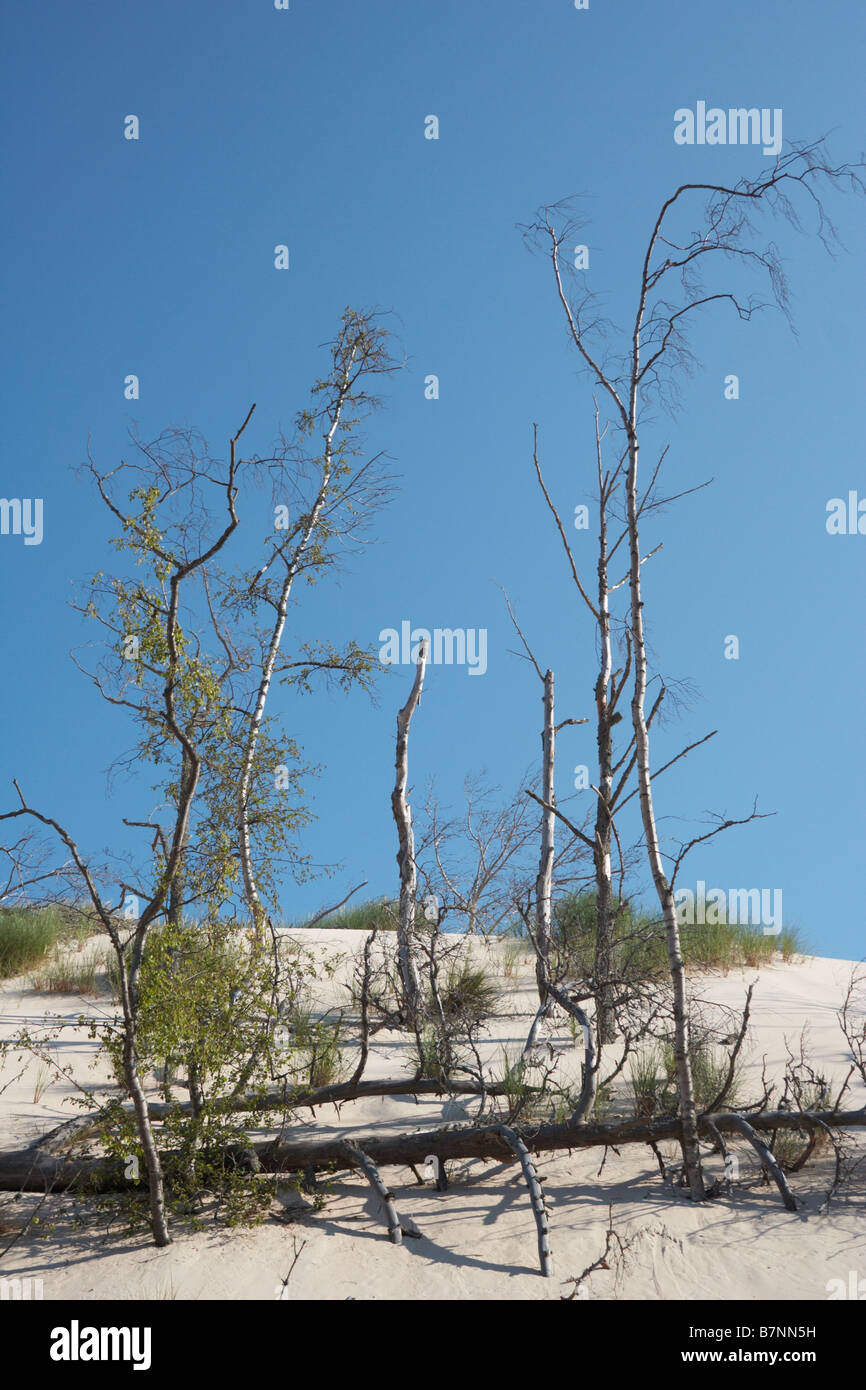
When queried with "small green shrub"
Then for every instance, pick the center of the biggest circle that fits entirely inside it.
(430, 1054)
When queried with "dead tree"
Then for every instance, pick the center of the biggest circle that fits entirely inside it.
(30, 1169)
(406, 852)
(740, 1125)
(609, 686)
(477, 862)
(544, 881)
(544, 877)
(543, 936)
(669, 291)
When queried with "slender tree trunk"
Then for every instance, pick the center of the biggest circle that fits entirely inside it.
(293, 565)
(589, 1066)
(406, 852)
(664, 892)
(177, 887)
(544, 881)
(604, 911)
(768, 1160)
(246, 771)
(155, 1182)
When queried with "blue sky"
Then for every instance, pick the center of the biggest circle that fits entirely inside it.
(306, 127)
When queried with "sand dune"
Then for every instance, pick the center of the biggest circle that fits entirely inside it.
(477, 1239)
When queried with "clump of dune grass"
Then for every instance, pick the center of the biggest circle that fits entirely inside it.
(429, 1054)
(513, 957)
(29, 934)
(315, 1045)
(26, 937)
(43, 1076)
(468, 995)
(710, 1067)
(653, 1074)
(380, 913)
(516, 1090)
(648, 1081)
(640, 948)
(70, 975)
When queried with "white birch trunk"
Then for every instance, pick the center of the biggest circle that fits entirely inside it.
(604, 910)
(406, 852)
(244, 781)
(544, 881)
(664, 892)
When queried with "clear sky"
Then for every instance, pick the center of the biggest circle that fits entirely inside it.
(307, 127)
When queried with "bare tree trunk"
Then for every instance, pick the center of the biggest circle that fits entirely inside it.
(605, 701)
(664, 891)
(606, 696)
(604, 909)
(406, 852)
(544, 881)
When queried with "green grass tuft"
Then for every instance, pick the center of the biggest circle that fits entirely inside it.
(26, 937)
(379, 912)
(640, 948)
(70, 975)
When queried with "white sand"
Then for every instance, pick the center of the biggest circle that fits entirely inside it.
(478, 1238)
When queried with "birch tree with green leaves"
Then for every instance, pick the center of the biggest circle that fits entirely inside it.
(190, 647)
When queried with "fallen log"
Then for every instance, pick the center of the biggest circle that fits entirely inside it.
(32, 1169)
(59, 1140)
